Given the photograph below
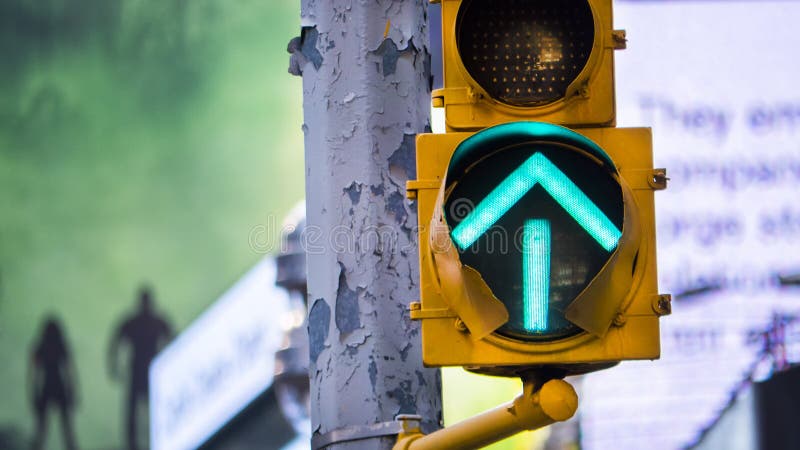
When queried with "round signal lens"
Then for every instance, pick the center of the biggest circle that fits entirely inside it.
(523, 52)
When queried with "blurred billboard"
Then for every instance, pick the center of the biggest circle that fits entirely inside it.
(718, 84)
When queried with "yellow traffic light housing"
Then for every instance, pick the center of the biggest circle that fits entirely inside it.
(536, 217)
(537, 248)
(509, 60)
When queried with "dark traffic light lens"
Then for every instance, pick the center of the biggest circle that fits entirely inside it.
(538, 221)
(525, 52)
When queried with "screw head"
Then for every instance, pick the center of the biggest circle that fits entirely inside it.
(664, 304)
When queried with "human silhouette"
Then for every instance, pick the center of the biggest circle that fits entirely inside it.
(145, 333)
(52, 383)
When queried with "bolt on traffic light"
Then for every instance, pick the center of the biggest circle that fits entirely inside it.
(536, 216)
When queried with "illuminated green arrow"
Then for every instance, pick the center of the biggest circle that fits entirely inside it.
(536, 237)
(537, 170)
(536, 274)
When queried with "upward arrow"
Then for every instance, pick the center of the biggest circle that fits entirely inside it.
(537, 170)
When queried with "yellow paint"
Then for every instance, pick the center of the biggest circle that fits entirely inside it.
(589, 100)
(465, 394)
(538, 405)
(629, 297)
(635, 335)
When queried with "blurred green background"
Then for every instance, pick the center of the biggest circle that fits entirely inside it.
(141, 141)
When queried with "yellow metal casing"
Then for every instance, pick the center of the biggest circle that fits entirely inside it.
(538, 406)
(635, 331)
(589, 99)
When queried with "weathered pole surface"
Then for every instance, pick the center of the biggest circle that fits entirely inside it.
(366, 94)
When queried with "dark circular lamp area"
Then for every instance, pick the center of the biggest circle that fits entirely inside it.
(525, 52)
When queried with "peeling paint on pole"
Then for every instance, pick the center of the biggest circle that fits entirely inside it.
(319, 319)
(366, 94)
(389, 54)
(347, 309)
(404, 158)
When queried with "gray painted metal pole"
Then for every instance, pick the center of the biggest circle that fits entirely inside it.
(366, 93)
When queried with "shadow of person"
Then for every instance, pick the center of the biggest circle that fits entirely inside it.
(145, 333)
(52, 383)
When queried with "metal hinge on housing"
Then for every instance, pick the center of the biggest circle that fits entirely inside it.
(412, 186)
(417, 313)
(455, 96)
(658, 179)
(619, 40)
(646, 179)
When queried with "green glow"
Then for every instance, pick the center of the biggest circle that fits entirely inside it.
(536, 274)
(537, 169)
(496, 204)
(515, 132)
(577, 204)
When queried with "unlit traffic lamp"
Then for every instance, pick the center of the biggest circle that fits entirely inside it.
(509, 60)
(525, 53)
(537, 235)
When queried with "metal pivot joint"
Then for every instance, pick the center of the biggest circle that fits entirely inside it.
(539, 405)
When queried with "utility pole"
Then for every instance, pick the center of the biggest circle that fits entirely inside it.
(366, 94)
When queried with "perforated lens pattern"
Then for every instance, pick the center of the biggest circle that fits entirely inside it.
(525, 53)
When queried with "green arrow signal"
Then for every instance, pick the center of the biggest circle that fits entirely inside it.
(537, 170)
(536, 274)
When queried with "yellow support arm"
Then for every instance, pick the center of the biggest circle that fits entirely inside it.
(537, 407)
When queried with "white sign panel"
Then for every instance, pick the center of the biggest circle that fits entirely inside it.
(220, 364)
(718, 82)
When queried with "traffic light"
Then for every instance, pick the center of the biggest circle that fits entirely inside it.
(509, 60)
(536, 216)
